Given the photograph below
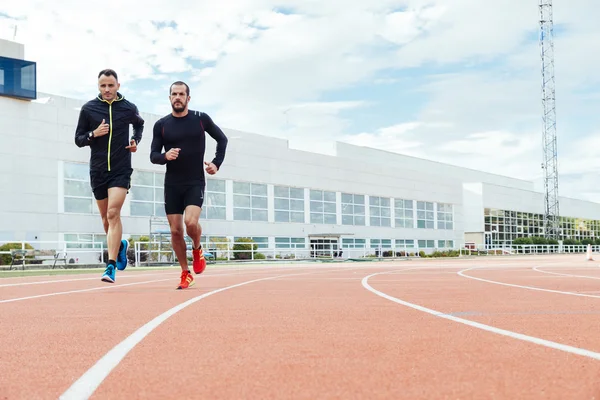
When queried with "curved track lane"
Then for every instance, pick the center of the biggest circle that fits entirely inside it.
(525, 368)
(315, 332)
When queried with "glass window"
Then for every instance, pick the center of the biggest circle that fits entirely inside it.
(261, 242)
(215, 200)
(404, 213)
(322, 207)
(383, 243)
(425, 217)
(249, 201)
(85, 241)
(289, 204)
(147, 193)
(445, 244)
(352, 243)
(353, 209)
(290, 243)
(444, 216)
(380, 211)
(78, 197)
(426, 244)
(18, 78)
(405, 244)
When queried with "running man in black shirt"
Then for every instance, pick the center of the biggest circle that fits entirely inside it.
(182, 134)
(103, 126)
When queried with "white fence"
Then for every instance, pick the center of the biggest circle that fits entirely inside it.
(527, 249)
(161, 253)
(74, 252)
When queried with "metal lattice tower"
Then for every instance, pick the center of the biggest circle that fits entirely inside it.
(550, 167)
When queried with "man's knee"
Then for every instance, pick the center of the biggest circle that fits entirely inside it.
(115, 202)
(192, 216)
(113, 214)
(177, 232)
(191, 222)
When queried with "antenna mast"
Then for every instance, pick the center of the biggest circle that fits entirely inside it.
(550, 167)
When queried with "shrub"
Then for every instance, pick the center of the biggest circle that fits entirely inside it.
(5, 259)
(131, 250)
(523, 241)
(243, 249)
(539, 240)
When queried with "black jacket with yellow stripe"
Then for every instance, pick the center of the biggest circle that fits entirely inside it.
(109, 152)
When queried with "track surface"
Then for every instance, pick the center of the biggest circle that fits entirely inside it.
(502, 328)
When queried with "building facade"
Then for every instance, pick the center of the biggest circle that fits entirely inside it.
(360, 201)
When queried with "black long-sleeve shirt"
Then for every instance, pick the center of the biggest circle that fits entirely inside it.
(188, 134)
(109, 152)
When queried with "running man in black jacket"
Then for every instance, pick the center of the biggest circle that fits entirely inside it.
(104, 126)
(182, 134)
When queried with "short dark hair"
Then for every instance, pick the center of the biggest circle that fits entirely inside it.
(108, 72)
(187, 88)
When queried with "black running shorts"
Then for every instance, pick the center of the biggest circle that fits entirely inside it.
(101, 181)
(178, 197)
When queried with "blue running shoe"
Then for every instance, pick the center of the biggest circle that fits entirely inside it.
(109, 274)
(122, 256)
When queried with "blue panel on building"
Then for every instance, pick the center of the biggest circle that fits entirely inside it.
(18, 78)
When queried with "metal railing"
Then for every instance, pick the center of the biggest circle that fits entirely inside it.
(75, 252)
(161, 252)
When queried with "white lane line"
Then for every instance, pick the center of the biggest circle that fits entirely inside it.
(108, 286)
(568, 275)
(504, 332)
(87, 384)
(137, 274)
(211, 272)
(75, 280)
(461, 273)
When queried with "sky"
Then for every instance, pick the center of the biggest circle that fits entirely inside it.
(455, 81)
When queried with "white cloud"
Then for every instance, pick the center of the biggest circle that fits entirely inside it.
(298, 61)
(266, 71)
(396, 138)
(464, 29)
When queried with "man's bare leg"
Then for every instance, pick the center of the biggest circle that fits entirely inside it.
(194, 231)
(192, 224)
(116, 198)
(103, 208)
(177, 239)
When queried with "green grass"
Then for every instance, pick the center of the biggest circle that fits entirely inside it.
(75, 271)
(99, 270)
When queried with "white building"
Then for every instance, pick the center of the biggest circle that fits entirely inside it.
(285, 199)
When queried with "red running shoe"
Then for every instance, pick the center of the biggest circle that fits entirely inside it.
(199, 262)
(187, 280)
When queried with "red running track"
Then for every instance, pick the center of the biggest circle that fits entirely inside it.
(504, 327)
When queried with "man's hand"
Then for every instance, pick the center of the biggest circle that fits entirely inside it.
(101, 130)
(172, 154)
(132, 146)
(210, 168)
